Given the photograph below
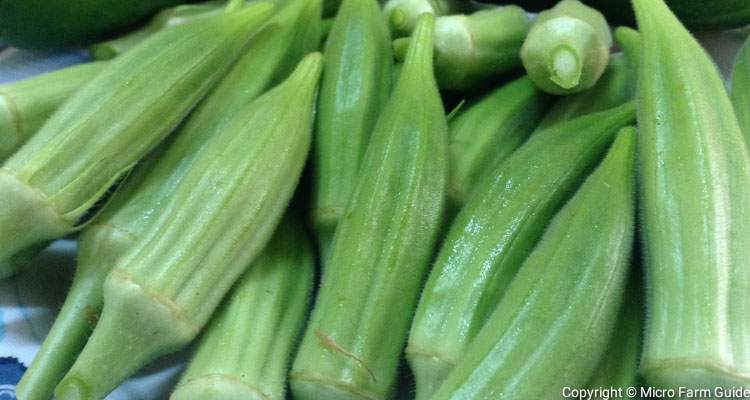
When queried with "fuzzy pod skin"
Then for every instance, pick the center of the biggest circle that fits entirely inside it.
(27, 104)
(354, 88)
(165, 288)
(471, 50)
(164, 19)
(382, 246)
(494, 232)
(487, 132)
(402, 15)
(140, 199)
(554, 321)
(567, 49)
(615, 87)
(618, 368)
(246, 349)
(106, 127)
(695, 196)
(741, 90)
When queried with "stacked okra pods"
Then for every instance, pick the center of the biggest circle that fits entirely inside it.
(496, 204)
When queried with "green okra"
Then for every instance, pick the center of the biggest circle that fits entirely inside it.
(223, 211)
(27, 104)
(494, 232)
(166, 18)
(103, 129)
(618, 368)
(135, 204)
(741, 90)
(615, 87)
(567, 49)
(382, 247)
(402, 15)
(355, 86)
(695, 196)
(246, 349)
(554, 321)
(487, 132)
(471, 50)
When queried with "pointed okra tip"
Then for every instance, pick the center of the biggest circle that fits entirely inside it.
(418, 62)
(308, 70)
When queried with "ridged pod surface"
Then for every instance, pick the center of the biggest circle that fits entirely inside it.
(245, 351)
(554, 321)
(695, 198)
(106, 127)
(355, 86)
(741, 90)
(494, 232)
(164, 289)
(382, 247)
(142, 196)
(25, 105)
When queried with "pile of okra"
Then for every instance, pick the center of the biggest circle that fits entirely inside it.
(430, 199)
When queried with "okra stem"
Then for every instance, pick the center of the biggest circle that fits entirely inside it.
(402, 15)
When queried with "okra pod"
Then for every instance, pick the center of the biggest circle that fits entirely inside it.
(695, 195)
(134, 205)
(27, 104)
(355, 86)
(494, 232)
(103, 129)
(741, 90)
(166, 18)
(402, 15)
(245, 350)
(567, 49)
(382, 246)
(532, 346)
(163, 289)
(487, 132)
(471, 50)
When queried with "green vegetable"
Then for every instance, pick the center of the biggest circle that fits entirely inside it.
(487, 132)
(166, 18)
(695, 196)
(402, 15)
(741, 90)
(383, 245)
(44, 24)
(137, 203)
(355, 86)
(27, 104)
(615, 87)
(567, 49)
(245, 351)
(494, 232)
(619, 366)
(471, 50)
(101, 132)
(554, 321)
(224, 210)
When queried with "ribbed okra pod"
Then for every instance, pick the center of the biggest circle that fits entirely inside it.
(615, 87)
(554, 321)
(487, 132)
(741, 90)
(102, 131)
(141, 198)
(471, 50)
(166, 18)
(163, 290)
(567, 48)
(402, 15)
(695, 195)
(355, 85)
(245, 350)
(382, 246)
(494, 232)
(25, 105)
